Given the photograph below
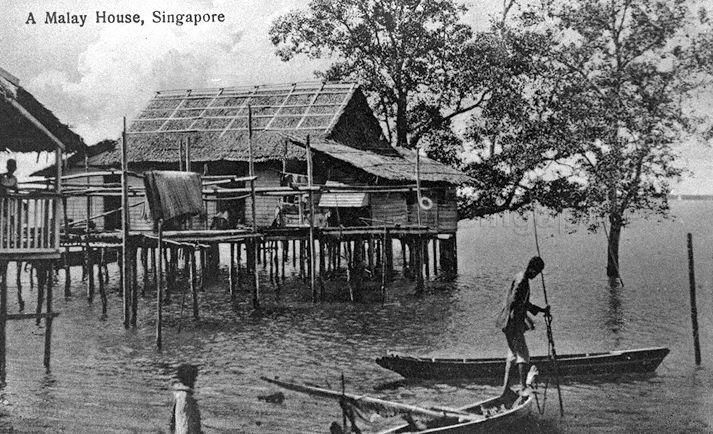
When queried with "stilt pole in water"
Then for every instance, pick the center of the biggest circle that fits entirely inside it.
(48, 318)
(125, 228)
(3, 320)
(311, 220)
(159, 285)
(548, 322)
(251, 167)
(694, 309)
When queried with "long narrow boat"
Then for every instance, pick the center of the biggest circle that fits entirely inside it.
(493, 415)
(643, 360)
(485, 416)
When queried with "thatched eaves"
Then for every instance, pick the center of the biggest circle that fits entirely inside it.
(28, 126)
(399, 165)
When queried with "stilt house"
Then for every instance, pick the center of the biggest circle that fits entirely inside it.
(365, 180)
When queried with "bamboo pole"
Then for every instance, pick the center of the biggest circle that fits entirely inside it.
(125, 226)
(102, 286)
(310, 183)
(3, 321)
(251, 167)
(192, 276)
(159, 285)
(48, 319)
(694, 309)
(67, 270)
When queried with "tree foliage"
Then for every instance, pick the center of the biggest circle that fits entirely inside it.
(592, 125)
(416, 59)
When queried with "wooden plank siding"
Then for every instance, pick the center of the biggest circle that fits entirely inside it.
(264, 205)
(389, 208)
(77, 206)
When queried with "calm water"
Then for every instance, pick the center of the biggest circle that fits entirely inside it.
(108, 379)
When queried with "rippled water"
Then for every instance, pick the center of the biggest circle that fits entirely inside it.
(108, 379)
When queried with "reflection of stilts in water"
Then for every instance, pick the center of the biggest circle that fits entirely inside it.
(615, 319)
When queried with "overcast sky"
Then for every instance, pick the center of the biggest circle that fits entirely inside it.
(91, 76)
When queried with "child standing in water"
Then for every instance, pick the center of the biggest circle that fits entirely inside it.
(185, 417)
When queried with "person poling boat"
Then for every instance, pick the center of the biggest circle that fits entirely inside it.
(513, 320)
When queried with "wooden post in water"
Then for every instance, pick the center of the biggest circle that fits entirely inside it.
(134, 284)
(41, 281)
(251, 167)
(48, 318)
(310, 183)
(192, 276)
(3, 321)
(231, 271)
(145, 268)
(67, 270)
(694, 310)
(125, 227)
(159, 285)
(102, 286)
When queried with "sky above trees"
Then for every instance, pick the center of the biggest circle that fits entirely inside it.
(93, 75)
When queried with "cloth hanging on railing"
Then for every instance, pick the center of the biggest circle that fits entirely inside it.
(173, 194)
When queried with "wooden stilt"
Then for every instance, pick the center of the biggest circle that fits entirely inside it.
(294, 253)
(102, 286)
(231, 271)
(426, 262)
(144, 269)
(268, 247)
(192, 277)
(41, 282)
(256, 279)
(90, 271)
(435, 256)
(18, 278)
(134, 285)
(48, 319)
(159, 286)
(67, 271)
(3, 322)
(285, 248)
(404, 264)
(418, 264)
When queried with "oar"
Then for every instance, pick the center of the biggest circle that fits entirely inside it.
(395, 407)
(548, 322)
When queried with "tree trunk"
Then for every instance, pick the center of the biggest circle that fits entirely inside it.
(402, 120)
(613, 248)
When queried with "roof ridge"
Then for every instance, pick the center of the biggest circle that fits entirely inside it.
(248, 88)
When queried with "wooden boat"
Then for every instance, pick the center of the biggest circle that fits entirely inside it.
(643, 360)
(492, 415)
(485, 416)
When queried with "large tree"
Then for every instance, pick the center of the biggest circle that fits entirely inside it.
(599, 112)
(419, 63)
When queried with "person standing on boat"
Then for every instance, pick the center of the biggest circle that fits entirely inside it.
(514, 321)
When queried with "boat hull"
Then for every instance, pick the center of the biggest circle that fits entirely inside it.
(570, 365)
(499, 422)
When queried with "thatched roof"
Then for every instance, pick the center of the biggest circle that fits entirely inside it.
(28, 126)
(400, 165)
(336, 117)
(77, 159)
(215, 121)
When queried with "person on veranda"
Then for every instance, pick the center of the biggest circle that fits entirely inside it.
(8, 181)
(514, 321)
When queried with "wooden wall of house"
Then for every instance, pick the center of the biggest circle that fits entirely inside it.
(389, 208)
(265, 206)
(443, 216)
(139, 212)
(77, 206)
